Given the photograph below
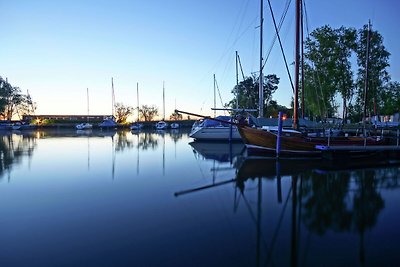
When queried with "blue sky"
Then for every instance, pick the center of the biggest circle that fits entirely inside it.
(57, 49)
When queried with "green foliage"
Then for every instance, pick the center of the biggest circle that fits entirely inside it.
(328, 69)
(378, 75)
(328, 72)
(247, 92)
(147, 113)
(13, 102)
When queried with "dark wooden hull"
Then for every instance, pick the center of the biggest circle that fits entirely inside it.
(260, 142)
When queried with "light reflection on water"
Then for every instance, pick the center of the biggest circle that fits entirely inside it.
(152, 198)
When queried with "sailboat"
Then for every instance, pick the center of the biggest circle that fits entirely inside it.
(108, 122)
(85, 125)
(215, 130)
(162, 125)
(294, 143)
(137, 125)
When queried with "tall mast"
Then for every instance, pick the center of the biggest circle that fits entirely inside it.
(163, 95)
(112, 97)
(237, 82)
(297, 61)
(302, 62)
(215, 104)
(87, 100)
(366, 74)
(261, 78)
(137, 96)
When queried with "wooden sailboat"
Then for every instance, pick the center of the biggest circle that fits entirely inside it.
(259, 141)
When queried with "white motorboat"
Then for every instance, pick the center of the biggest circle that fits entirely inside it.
(215, 130)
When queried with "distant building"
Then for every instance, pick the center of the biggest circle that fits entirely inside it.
(66, 117)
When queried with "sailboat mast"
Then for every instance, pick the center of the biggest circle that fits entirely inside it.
(302, 62)
(163, 94)
(261, 78)
(215, 104)
(237, 82)
(137, 96)
(112, 97)
(366, 74)
(297, 65)
(87, 100)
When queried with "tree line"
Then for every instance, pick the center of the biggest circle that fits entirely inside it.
(14, 102)
(334, 67)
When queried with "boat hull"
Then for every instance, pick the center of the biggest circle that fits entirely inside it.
(259, 142)
(215, 134)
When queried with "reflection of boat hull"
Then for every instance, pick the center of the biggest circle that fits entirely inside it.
(251, 168)
(223, 152)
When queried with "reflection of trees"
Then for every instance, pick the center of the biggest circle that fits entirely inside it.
(332, 202)
(324, 205)
(122, 141)
(147, 140)
(175, 135)
(13, 148)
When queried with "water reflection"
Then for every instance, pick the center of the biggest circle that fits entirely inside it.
(13, 148)
(339, 203)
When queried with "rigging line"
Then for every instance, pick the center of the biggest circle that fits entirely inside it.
(279, 29)
(278, 226)
(219, 93)
(280, 44)
(241, 68)
(316, 92)
(307, 20)
(229, 49)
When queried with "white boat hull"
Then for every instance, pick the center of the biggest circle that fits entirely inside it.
(215, 133)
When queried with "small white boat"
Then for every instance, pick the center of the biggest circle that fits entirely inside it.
(23, 126)
(84, 126)
(136, 126)
(175, 125)
(161, 125)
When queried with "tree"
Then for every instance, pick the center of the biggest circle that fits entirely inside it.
(390, 98)
(175, 116)
(247, 92)
(148, 112)
(328, 69)
(378, 75)
(13, 102)
(122, 112)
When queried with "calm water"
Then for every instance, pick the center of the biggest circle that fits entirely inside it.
(72, 198)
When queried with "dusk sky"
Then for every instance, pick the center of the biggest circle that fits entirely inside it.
(57, 49)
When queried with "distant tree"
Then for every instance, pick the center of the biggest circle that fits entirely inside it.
(247, 92)
(27, 106)
(175, 116)
(390, 98)
(13, 102)
(147, 113)
(122, 112)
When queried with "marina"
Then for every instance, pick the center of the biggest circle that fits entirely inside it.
(159, 198)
